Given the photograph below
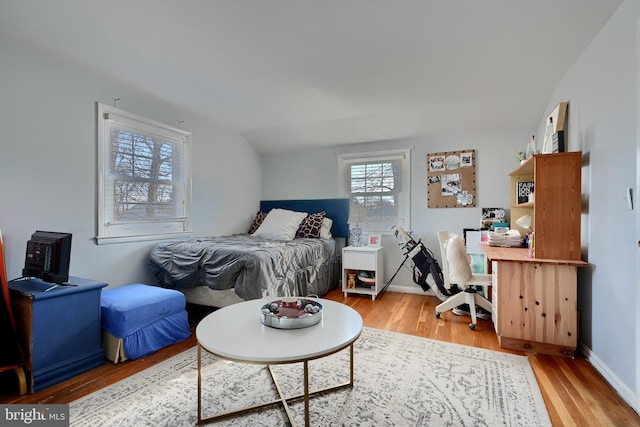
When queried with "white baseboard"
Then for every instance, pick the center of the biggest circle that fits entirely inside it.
(621, 388)
(409, 290)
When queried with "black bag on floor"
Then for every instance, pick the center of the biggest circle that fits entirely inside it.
(425, 264)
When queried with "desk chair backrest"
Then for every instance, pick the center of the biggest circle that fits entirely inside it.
(456, 264)
(455, 268)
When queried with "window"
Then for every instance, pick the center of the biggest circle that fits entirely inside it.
(144, 185)
(378, 185)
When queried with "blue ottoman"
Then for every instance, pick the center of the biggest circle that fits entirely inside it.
(138, 320)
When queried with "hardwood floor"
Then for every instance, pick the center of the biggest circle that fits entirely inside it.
(574, 392)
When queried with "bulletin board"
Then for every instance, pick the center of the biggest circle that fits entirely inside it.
(451, 179)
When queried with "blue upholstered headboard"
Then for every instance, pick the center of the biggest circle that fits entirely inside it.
(336, 209)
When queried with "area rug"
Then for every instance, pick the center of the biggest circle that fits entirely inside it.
(400, 380)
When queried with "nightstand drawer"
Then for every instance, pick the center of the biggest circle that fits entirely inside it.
(360, 260)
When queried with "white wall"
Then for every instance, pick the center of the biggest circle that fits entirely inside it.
(601, 90)
(48, 164)
(313, 174)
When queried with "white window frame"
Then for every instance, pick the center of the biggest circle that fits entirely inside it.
(344, 187)
(110, 230)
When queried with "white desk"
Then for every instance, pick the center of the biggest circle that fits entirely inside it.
(236, 333)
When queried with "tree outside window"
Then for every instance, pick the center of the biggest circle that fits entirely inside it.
(378, 186)
(145, 183)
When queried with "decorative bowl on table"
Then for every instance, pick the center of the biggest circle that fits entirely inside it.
(291, 313)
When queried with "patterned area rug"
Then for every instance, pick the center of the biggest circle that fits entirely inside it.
(400, 380)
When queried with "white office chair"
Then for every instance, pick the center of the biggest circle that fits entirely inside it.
(456, 268)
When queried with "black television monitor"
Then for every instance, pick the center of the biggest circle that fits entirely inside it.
(48, 256)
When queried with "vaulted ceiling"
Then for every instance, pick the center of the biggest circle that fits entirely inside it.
(296, 73)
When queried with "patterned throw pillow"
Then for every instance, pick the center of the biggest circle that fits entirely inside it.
(260, 216)
(310, 226)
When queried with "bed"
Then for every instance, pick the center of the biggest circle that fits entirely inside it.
(222, 270)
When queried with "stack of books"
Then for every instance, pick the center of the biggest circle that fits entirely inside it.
(509, 239)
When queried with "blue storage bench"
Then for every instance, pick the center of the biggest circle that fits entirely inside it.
(138, 320)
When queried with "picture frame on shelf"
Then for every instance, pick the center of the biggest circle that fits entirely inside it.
(374, 240)
(491, 216)
(524, 190)
(554, 136)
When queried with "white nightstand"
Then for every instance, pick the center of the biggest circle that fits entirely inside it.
(368, 259)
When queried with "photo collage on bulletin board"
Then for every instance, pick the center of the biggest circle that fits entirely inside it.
(451, 179)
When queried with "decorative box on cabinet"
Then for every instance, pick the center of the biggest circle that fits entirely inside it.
(368, 259)
(58, 327)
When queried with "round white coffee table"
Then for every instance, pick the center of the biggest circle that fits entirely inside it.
(236, 333)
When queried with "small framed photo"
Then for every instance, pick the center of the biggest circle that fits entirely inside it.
(374, 239)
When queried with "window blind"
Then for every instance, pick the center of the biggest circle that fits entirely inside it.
(145, 185)
(378, 185)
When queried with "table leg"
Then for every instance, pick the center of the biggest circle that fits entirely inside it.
(306, 393)
(283, 400)
(351, 365)
(199, 384)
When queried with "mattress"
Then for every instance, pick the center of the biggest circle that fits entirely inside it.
(252, 266)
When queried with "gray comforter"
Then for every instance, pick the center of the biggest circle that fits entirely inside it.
(254, 266)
